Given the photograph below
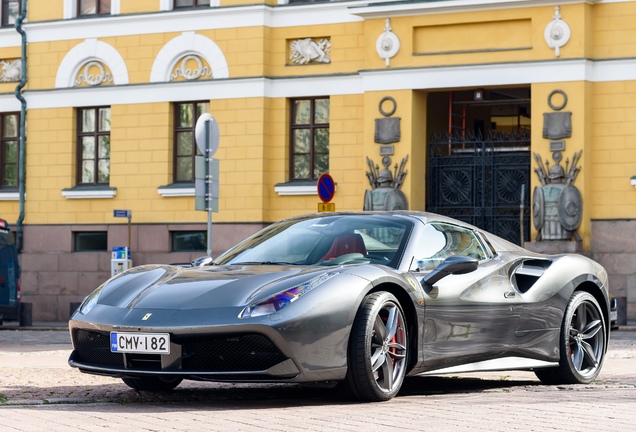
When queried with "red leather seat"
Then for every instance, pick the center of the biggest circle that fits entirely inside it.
(346, 244)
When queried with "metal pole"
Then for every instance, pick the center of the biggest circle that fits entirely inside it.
(129, 242)
(209, 232)
(522, 207)
(208, 160)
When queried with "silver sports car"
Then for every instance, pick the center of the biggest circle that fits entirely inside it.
(360, 300)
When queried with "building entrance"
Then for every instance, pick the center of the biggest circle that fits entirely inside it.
(479, 159)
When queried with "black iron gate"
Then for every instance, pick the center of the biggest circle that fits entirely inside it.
(479, 180)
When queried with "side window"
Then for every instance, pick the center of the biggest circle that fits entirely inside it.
(93, 7)
(9, 146)
(93, 146)
(444, 240)
(178, 4)
(185, 149)
(309, 138)
(10, 11)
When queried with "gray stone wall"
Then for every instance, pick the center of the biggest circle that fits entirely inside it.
(53, 276)
(614, 247)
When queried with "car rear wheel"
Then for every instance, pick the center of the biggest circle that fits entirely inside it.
(583, 342)
(152, 383)
(378, 349)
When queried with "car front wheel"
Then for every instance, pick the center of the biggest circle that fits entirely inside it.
(378, 348)
(152, 383)
(582, 344)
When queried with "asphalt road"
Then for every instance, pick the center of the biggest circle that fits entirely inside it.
(40, 392)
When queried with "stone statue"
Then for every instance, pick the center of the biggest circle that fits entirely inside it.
(557, 205)
(385, 193)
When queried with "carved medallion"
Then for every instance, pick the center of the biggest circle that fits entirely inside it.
(557, 32)
(93, 73)
(388, 44)
(190, 67)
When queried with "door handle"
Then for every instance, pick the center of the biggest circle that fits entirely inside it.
(509, 294)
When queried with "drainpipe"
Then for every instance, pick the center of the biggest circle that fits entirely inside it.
(23, 109)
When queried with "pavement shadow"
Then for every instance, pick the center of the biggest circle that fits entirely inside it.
(237, 396)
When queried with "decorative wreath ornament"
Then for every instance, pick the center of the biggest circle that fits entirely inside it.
(557, 33)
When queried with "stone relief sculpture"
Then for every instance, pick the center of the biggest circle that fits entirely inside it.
(557, 205)
(10, 71)
(557, 125)
(304, 51)
(93, 73)
(385, 193)
(191, 68)
(387, 129)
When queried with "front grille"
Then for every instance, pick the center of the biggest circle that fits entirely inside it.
(93, 348)
(230, 353)
(236, 353)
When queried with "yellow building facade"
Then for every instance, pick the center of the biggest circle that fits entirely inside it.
(108, 85)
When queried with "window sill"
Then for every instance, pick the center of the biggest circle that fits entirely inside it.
(89, 192)
(296, 188)
(10, 196)
(176, 190)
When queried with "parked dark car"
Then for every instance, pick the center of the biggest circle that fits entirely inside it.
(9, 276)
(360, 300)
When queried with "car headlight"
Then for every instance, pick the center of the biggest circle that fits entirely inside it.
(278, 301)
(90, 301)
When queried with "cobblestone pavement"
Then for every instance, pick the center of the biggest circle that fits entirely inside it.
(40, 392)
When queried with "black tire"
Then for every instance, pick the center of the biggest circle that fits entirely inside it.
(582, 343)
(153, 384)
(378, 350)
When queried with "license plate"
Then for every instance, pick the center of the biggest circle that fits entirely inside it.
(613, 315)
(145, 343)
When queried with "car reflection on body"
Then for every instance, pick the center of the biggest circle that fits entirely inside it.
(360, 300)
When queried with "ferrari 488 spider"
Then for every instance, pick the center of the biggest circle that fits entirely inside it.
(360, 300)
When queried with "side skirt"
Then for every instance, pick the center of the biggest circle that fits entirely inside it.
(508, 363)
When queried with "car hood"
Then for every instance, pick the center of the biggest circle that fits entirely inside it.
(172, 287)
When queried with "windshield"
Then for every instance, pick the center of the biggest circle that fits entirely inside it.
(330, 240)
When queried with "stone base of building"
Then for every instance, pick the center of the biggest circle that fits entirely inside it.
(554, 247)
(54, 276)
(613, 245)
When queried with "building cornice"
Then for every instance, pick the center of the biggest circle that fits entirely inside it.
(410, 8)
(519, 73)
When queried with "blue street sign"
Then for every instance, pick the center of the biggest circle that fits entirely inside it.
(122, 213)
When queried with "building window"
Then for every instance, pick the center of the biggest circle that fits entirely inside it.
(93, 7)
(190, 3)
(189, 241)
(93, 146)
(309, 138)
(90, 241)
(10, 12)
(185, 149)
(9, 145)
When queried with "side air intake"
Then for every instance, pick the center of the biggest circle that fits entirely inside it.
(528, 273)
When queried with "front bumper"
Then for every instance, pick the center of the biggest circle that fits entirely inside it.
(230, 357)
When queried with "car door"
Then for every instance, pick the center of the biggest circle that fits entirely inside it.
(468, 317)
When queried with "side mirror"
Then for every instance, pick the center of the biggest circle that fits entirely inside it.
(201, 261)
(453, 265)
